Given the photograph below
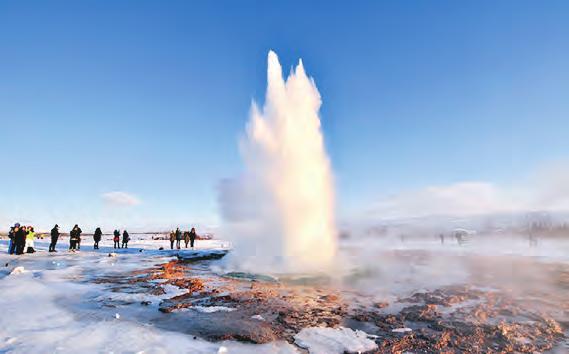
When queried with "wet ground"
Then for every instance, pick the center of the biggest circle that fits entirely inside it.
(468, 303)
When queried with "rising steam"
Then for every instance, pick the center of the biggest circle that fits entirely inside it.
(281, 212)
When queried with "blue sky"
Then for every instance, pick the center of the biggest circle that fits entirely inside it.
(150, 97)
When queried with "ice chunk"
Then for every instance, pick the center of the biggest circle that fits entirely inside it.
(17, 270)
(323, 340)
(401, 330)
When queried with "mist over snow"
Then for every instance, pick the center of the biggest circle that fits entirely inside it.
(547, 191)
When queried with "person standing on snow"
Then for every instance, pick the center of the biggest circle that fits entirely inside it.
(29, 246)
(54, 237)
(75, 237)
(172, 239)
(79, 231)
(186, 238)
(178, 237)
(20, 238)
(12, 236)
(116, 239)
(97, 238)
(125, 239)
(192, 237)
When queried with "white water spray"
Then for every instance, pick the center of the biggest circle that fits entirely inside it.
(280, 214)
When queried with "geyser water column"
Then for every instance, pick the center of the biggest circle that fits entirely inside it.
(280, 213)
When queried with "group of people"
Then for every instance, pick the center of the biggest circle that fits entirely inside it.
(117, 239)
(188, 237)
(21, 239)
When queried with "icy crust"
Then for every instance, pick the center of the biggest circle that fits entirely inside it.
(50, 306)
(324, 340)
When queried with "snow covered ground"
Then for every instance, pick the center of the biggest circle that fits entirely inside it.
(50, 306)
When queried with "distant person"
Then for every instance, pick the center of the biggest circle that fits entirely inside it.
(20, 238)
(125, 239)
(54, 238)
(30, 237)
(178, 237)
(442, 237)
(192, 237)
(97, 238)
(172, 239)
(79, 231)
(186, 238)
(74, 237)
(12, 236)
(116, 239)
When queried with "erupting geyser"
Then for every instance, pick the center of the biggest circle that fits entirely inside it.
(280, 213)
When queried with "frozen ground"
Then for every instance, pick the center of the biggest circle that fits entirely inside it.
(57, 305)
(51, 305)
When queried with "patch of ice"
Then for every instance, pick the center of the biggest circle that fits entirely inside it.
(323, 340)
(401, 330)
(210, 309)
(117, 316)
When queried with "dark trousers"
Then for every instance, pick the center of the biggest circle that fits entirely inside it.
(79, 244)
(125, 244)
(172, 245)
(96, 246)
(72, 244)
(20, 245)
(52, 244)
(178, 244)
(192, 242)
(117, 244)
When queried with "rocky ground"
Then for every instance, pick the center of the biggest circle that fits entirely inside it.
(450, 319)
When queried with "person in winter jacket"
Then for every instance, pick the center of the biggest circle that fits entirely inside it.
(192, 237)
(20, 239)
(97, 237)
(74, 237)
(117, 239)
(29, 245)
(186, 238)
(172, 239)
(178, 237)
(12, 244)
(54, 237)
(125, 239)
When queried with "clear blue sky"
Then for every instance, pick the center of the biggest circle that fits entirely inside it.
(150, 97)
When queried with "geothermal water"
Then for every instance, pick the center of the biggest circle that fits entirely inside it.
(280, 213)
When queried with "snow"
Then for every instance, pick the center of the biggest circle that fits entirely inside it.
(17, 270)
(323, 340)
(50, 306)
(210, 309)
(401, 330)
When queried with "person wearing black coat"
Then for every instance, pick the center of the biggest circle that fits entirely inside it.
(97, 237)
(74, 237)
(178, 237)
(12, 244)
(125, 239)
(54, 238)
(20, 238)
(116, 239)
(192, 237)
